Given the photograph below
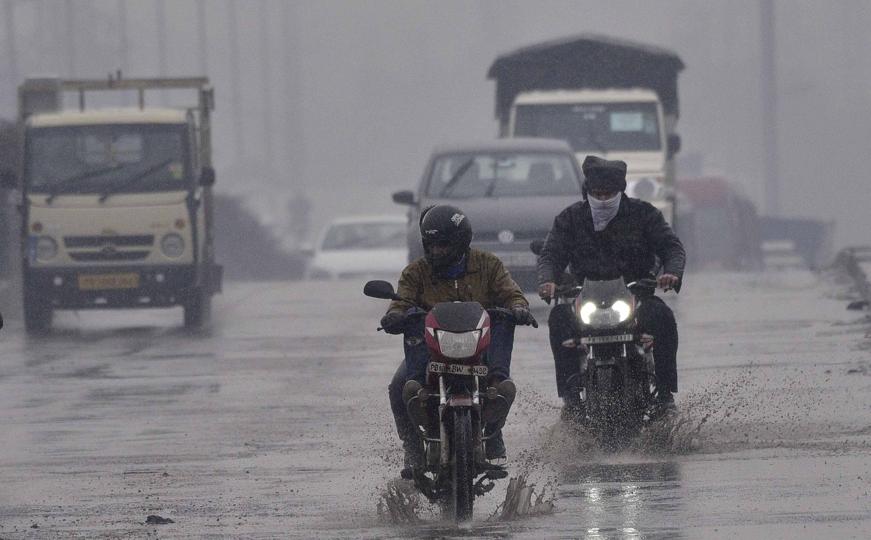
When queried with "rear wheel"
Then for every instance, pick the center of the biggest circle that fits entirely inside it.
(197, 308)
(37, 312)
(462, 452)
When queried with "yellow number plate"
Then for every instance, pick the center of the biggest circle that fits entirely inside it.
(90, 282)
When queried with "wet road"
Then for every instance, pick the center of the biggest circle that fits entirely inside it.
(274, 424)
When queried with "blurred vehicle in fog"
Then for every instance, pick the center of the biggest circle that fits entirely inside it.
(511, 189)
(361, 246)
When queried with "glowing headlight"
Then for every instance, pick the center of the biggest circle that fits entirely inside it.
(622, 309)
(46, 248)
(458, 345)
(587, 311)
(172, 245)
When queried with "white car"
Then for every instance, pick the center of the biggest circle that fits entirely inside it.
(361, 246)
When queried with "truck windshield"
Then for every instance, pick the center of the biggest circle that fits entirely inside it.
(97, 159)
(593, 127)
(458, 176)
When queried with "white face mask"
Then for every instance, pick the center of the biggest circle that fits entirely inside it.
(604, 211)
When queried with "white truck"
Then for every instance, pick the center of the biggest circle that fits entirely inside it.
(607, 97)
(116, 203)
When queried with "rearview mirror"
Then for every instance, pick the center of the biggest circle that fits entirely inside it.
(207, 176)
(8, 179)
(536, 246)
(673, 144)
(379, 289)
(404, 197)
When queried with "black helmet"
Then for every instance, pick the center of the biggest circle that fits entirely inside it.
(446, 225)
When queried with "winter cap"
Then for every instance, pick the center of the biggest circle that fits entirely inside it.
(604, 174)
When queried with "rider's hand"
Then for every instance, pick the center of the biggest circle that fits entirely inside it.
(523, 316)
(393, 322)
(547, 290)
(667, 281)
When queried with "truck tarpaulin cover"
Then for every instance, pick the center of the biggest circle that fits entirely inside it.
(586, 61)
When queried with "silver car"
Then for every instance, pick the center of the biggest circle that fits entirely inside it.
(511, 189)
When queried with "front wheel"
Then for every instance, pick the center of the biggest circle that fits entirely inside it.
(197, 308)
(37, 312)
(462, 455)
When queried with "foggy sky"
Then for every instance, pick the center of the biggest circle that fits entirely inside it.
(358, 92)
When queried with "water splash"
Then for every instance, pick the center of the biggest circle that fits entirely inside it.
(400, 503)
(521, 500)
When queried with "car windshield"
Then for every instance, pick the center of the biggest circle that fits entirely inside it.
(92, 159)
(503, 174)
(369, 235)
(593, 127)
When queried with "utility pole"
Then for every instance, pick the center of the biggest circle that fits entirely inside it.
(123, 45)
(768, 41)
(202, 38)
(160, 15)
(70, 16)
(233, 41)
(292, 136)
(266, 65)
(11, 51)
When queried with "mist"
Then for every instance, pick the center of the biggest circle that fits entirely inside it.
(343, 101)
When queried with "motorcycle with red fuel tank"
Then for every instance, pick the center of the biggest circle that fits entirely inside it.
(451, 409)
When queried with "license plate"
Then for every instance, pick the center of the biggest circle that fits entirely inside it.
(91, 282)
(622, 338)
(457, 369)
(518, 258)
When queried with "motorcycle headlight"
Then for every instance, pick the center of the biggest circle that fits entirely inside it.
(597, 317)
(458, 344)
(623, 310)
(46, 248)
(587, 311)
(172, 245)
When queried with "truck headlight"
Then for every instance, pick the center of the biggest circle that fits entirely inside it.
(46, 248)
(646, 187)
(586, 311)
(172, 245)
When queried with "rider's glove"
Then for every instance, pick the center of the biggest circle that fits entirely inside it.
(393, 322)
(523, 316)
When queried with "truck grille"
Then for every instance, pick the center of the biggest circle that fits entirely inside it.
(142, 240)
(108, 255)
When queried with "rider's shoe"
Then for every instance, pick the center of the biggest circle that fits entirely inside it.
(494, 449)
(663, 404)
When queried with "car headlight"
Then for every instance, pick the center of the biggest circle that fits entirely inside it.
(458, 344)
(646, 187)
(172, 245)
(46, 248)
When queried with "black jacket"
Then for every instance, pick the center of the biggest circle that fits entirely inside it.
(635, 244)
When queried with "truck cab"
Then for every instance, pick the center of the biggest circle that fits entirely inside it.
(604, 96)
(117, 205)
(625, 124)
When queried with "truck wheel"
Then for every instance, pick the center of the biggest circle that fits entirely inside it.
(197, 308)
(37, 312)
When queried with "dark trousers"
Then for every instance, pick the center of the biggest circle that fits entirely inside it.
(654, 317)
(417, 356)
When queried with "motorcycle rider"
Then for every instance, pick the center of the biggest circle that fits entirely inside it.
(606, 236)
(451, 270)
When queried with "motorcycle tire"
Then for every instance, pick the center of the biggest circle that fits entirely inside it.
(462, 454)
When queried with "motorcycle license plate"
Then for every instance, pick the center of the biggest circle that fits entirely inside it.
(457, 369)
(92, 282)
(598, 340)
